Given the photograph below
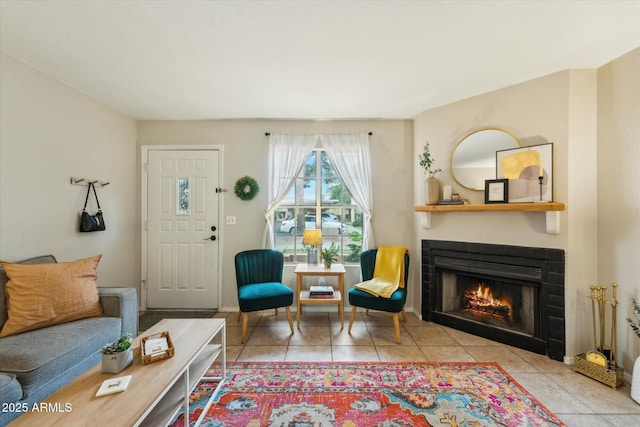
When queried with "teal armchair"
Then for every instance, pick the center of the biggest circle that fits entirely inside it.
(395, 304)
(260, 287)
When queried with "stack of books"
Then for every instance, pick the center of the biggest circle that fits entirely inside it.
(321, 292)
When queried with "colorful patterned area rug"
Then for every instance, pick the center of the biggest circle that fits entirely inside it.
(368, 394)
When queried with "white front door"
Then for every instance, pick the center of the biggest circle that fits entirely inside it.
(182, 229)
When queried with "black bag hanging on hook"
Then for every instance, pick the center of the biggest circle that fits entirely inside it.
(91, 222)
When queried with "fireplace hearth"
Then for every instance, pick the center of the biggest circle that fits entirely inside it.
(509, 294)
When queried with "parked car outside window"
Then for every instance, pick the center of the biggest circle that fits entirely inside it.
(330, 222)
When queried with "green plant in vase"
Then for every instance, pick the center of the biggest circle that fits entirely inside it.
(426, 162)
(636, 312)
(330, 255)
(117, 355)
(635, 378)
(431, 184)
(118, 346)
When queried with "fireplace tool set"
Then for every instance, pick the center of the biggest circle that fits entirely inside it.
(600, 363)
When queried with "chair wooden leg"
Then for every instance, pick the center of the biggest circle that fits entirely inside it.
(276, 311)
(404, 315)
(245, 322)
(396, 325)
(366, 312)
(290, 319)
(353, 317)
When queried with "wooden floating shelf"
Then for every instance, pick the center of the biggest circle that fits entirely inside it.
(552, 210)
(520, 207)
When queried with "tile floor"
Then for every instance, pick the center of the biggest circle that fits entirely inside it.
(577, 400)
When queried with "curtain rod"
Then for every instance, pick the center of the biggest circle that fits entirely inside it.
(268, 133)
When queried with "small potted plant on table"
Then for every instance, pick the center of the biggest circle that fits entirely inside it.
(329, 255)
(117, 355)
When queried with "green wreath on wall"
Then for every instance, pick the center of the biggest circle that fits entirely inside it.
(246, 188)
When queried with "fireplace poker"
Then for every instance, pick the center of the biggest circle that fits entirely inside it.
(601, 299)
(593, 313)
(594, 356)
(614, 341)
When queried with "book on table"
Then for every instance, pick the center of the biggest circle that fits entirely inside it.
(321, 291)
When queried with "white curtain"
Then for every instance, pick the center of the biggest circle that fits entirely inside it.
(349, 155)
(287, 154)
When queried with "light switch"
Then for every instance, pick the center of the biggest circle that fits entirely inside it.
(231, 220)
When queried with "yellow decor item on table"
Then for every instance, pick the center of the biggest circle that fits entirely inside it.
(388, 275)
(312, 238)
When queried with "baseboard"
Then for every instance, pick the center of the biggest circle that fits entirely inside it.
(314, 309)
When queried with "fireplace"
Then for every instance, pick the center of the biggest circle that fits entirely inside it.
(510, 294)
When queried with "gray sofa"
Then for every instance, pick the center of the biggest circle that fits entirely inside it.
(35, 364)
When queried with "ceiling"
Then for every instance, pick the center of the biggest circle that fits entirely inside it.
(177, 60)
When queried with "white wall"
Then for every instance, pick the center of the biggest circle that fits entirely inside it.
(245, 153)
(48, 133)
(619, 190)
(535, 112)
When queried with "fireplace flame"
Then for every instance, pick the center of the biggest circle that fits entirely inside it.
(482, 300)
(485, 295)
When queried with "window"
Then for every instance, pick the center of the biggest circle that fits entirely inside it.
(318, 200)
(182, 196)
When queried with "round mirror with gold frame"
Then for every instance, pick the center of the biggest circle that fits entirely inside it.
(474, 157)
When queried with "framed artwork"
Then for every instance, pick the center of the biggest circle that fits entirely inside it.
(529, 171)
(496, 191)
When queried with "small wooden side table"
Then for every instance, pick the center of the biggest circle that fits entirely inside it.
(320, 270)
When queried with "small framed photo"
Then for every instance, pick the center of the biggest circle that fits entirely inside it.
(496, 191)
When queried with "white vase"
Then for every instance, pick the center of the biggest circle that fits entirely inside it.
(114, 363)
(431, 191)
(635, 381)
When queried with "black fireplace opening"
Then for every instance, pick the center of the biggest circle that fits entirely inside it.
(496, 303)
(509, 294)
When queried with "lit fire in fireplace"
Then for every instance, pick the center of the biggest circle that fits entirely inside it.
(482, 300)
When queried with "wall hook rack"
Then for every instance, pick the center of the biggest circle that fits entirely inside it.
(87, 181)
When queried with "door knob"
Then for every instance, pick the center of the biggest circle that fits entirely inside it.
(213, 228)
(210, 238)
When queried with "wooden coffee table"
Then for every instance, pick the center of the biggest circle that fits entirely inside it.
(156, 392)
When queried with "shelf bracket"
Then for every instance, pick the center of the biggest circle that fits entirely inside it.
(426, 221)
(553, 222)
